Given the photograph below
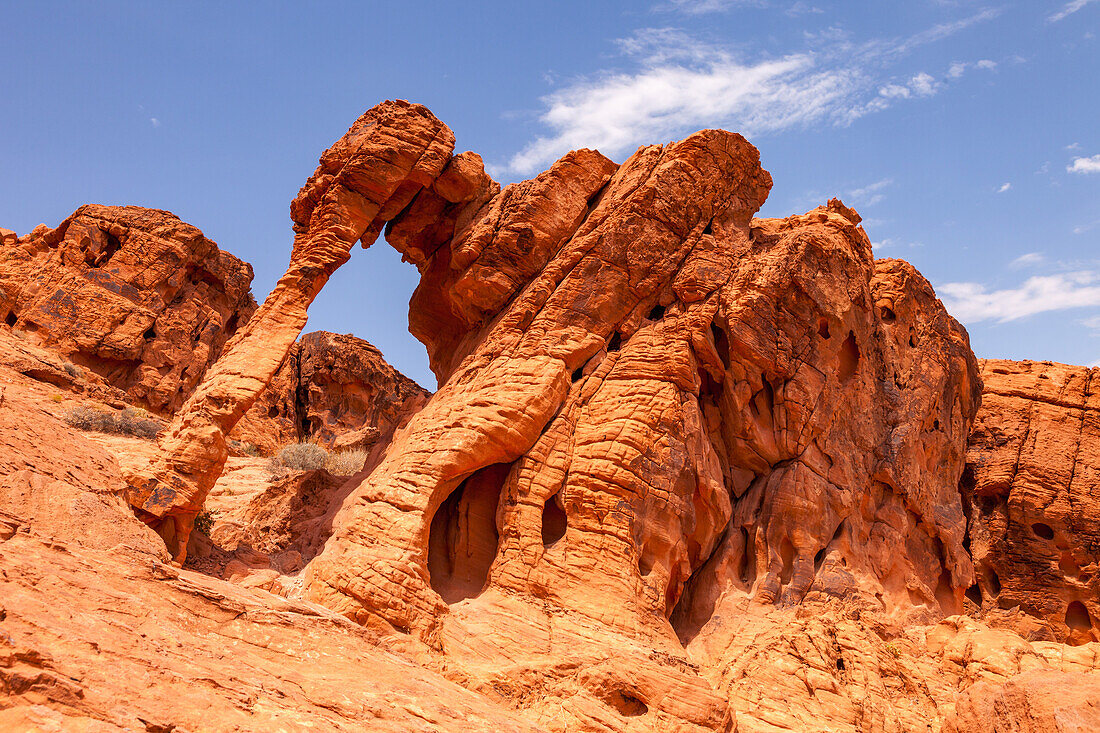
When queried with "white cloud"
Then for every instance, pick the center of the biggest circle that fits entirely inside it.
(803, 8)
(1028, 260)
(958, 68)
(1085, 165)
(970, 302)
(1073, 146)
(923, 85)
(155, 122)
(1082, 228)
(894, 91)
(1070, 8)
(1004, 187)
(1093, 324)
(870, 194)
(616, 112)
(701, 7)
(675, 84)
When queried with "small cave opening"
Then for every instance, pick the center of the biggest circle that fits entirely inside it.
(95, 258)
(974, 593)
(656, 313)
(627, 705)
(994, 581)
(721, 343)
(849, 358)
(554, 521)
(10, 318)
(273, 411)
(787, 554)
(913, 340)
(577, 374)
(150, 333)
(1077, 617)
(746, 564)
(823, 328)
(887, 314)
(1043, 531)
(840, 664)
(615, 343)
(819, 558)
(463, 537)
(231, 325)
(945, 594)
(709, 228)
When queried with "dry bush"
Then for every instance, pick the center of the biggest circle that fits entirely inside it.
(301, 457)
(72, 370)
(346, 463)
(130, 421)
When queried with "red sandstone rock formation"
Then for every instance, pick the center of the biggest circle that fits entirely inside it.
(369, 176)
(1033, 483)
(684, 467)
(134, 295)
(331, 386)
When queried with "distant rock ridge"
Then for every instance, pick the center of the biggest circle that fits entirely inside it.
(134, 295)
(331, 386)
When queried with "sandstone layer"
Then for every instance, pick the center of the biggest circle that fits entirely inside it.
(133, 295)
(1033, 485)
(330, 386)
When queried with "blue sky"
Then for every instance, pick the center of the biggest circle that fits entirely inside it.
(965, 133)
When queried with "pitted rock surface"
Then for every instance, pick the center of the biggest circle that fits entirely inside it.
(133, 295)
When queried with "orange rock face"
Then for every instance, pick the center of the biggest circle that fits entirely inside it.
(331, 386)
(1033, 483)
(686, 469)
(134, 295)
(393, 151)
(652, 406)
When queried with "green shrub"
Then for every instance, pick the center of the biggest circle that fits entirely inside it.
(204, 522)
(130, 421)
(72, 370)
(346, 463)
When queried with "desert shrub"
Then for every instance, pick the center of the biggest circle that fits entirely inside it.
(204, 522)
(56, 398)
(72, 370)
(301, 457)
(130, 421)
(346, 463)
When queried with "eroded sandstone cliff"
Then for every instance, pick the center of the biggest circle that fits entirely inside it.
(134, 295)
(685, 469)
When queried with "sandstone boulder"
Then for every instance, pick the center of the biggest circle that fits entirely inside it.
(133, 295)
(335, 390)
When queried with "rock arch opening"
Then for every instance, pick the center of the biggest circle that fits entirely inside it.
(463, 538)
(849, 358)
(554, 521)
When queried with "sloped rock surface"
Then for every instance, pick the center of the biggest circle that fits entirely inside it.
(331, 385)
(1033, 702)
(1033, 484)
(133, 295)
(94, 641)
